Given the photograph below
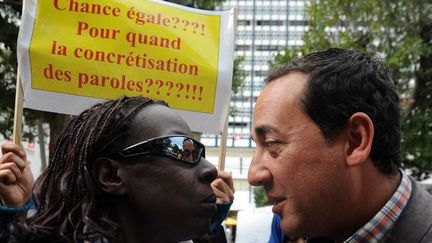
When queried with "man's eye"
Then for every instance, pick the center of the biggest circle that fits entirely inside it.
(272, 147)
(269, 144)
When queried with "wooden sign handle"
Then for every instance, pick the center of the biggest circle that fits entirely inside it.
(19, 98)
(222, 151)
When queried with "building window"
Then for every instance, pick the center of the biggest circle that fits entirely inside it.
(243, 22)
(297, 23)
(267, 48)
(242, 47)
(261, 73)
(238, 124)
(269, 22)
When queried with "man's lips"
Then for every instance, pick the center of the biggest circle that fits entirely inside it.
(278, 202)
(274, 199)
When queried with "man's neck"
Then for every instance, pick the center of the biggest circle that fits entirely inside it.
(371, 190)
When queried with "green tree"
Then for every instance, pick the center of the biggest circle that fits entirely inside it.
(401, 31)
(9, 16)
(9, 20)
(260, 197)
(201, 4)
(239, 74)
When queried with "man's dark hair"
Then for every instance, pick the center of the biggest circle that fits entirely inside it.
(343, 82)
(70, 208)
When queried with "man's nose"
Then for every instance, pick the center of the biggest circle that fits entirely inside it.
(258, 174)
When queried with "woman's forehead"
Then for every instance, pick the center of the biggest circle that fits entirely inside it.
(155, 121)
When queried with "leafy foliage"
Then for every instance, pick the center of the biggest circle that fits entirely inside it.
(260, 197)
(201, 4)
(8, 65)
(239, 74)
(401, 31)
(205, 4)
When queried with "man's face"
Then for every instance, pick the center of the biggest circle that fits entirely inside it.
(300, 172)
(189, 150)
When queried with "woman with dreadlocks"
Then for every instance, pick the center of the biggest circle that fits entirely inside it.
(118, 174)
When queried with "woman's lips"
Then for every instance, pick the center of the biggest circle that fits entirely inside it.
(210, 199)
(210, 204)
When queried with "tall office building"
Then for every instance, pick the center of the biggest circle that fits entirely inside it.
(264, 28)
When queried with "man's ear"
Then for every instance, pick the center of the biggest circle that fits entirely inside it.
(360, 134)
(105, 172)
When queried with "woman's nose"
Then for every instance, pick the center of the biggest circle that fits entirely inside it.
(207, 171)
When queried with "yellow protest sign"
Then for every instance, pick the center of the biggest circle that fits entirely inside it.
(104, 49)
(75, 53)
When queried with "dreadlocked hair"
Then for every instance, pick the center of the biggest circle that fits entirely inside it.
(69, 205)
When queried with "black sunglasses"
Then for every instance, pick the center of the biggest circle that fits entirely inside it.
(181, 148)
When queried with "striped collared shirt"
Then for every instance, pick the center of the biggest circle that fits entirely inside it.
(383, 221)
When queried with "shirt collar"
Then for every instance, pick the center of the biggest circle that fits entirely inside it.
(383, 221)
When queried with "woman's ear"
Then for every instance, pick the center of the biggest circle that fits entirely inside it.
(105, 172)
(360, 139)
